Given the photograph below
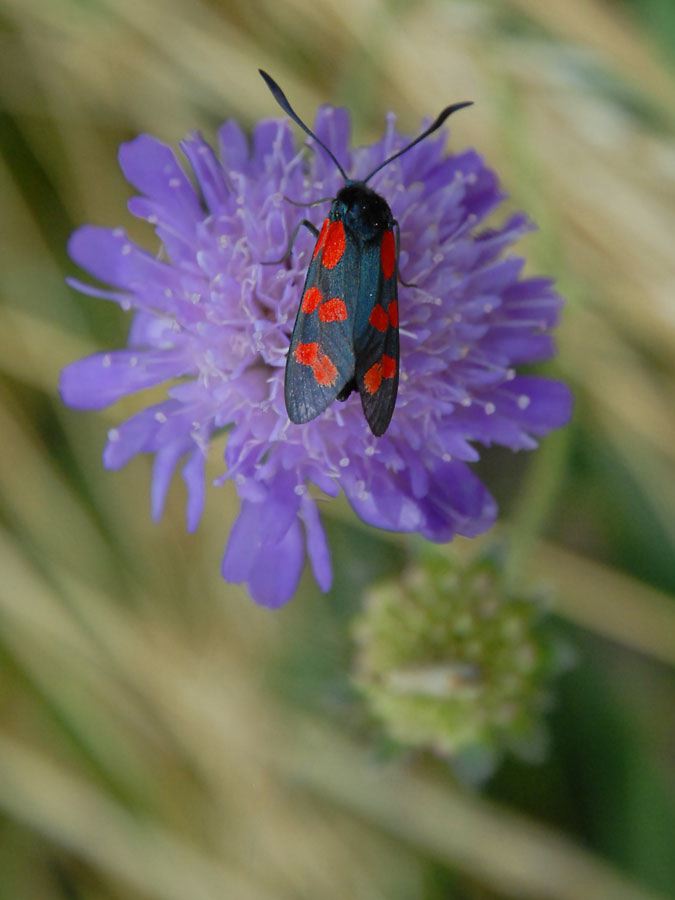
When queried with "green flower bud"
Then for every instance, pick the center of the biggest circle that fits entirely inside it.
(449, 660)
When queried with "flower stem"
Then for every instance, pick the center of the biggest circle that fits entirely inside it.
(546, 476)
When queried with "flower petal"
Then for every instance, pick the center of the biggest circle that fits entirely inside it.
(136, 435)
(384, 504)
(194, 475)
(152, 168)
(111, 257)
(166, 460)
(276, 571)
(272, 144)
(270, 568)
(539, 404)
(233, 146)
(317, 545)
(208, 170)
(244, 543)
(333, 127)
(459, 503)
(99, 380)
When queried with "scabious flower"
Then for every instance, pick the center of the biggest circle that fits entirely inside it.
(213, 323)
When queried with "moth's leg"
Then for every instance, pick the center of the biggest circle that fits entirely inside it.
(289, 248)
(397, 229)
(302, 203)
(309, 226)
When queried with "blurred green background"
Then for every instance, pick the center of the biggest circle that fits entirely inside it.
(160, 736)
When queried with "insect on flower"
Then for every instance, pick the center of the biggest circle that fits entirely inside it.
(345, 337)
(211, 325)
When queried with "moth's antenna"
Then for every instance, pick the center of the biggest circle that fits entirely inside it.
(435, 125)
(280, 97)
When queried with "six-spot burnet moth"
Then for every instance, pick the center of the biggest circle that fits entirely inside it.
(345, 336)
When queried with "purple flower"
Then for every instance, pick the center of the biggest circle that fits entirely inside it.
(213, 323)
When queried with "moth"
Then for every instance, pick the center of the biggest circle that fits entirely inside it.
(345, 337)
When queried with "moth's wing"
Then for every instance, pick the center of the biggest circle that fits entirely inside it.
(321, 356)
(377, 341)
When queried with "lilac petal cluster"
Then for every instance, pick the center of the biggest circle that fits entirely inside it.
(212, 323)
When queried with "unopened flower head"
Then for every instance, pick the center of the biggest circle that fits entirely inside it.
(212, 322)
(452, 661)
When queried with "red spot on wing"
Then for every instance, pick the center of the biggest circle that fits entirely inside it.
(311, 300)
(321, 365)
(378, 318)
(373, 378)
(307, 353)
(334, 245)
(388, 366)
(333, 310)
(393, 314)
(324, 371)
(383, 368)
(321, 240)
(388, 254)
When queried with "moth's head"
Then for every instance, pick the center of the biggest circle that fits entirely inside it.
(363, 211)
